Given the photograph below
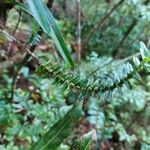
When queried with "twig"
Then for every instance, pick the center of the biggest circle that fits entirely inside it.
(130, 28)
(11, 37)
(26, 58)
(17, 25)
(120, 62)
(14, 31)
(99, 68)
(1, 26)
(138, 36)
(20, 66)
(23, 62)
(79, 29)
(93, 30)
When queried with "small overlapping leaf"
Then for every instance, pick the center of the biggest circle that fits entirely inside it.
(136, 61)
(144, 51)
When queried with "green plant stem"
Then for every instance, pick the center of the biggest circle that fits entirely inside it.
(63, 78)
(21, 64)
(14, 31)
(120, 62)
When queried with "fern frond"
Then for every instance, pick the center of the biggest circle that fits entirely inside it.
(68, 80)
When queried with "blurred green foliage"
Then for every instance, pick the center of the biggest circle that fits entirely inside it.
(121, 121)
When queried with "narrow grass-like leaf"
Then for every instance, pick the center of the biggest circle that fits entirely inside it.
(23, 7)
(38, 12)
(43, 16)
(59, 131)
(58, 38)
(83, 144)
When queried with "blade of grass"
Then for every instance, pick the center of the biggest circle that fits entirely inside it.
(45, 19)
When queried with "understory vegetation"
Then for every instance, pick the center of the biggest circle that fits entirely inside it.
(74, 75)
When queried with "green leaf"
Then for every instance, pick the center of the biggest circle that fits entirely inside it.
(58, 38)
(43, 16)
(25, 72)
(129, 68)
(59, 131)
(83, 144)
(109, 95)
(120, 90)
(137, 76)
(8, 1)
(128, 84)
(144, 51)
(136, 61)
(23, 7)
(38, 12)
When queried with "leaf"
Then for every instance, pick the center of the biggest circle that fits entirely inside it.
(137, 76)
(124, 72)
(120, 90)
(144, 51)
(23, 7)
(109, 95)
(116, 78)
(129, 68)
(136, 61)
(25, 72)
(58, 38)
(9, 1)
(43, 16)
(59, 131)
(38, 12)
(128, 84)
(84, 142)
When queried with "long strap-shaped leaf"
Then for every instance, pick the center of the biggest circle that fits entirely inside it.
(59, 131)
(47, 22)
(83, 144)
